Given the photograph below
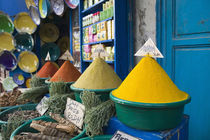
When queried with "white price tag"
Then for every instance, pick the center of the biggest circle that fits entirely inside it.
(42, 107)
(48, 57)
(67, 56)
(74, 112)
(123, 136)
(149, 48)
(99, 52)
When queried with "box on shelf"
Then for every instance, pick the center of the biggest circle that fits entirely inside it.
(109, 29)
(113, 29)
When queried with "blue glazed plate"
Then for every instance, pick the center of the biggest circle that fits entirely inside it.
(57, 6)
(53, 50)
(72, 3)
(44, 8)
(18, 78)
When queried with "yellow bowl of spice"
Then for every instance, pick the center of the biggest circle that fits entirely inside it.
(148, 99)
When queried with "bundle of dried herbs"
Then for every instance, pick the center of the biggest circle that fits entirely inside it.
(34, 94)
(25, 114)
(57, 103)
(59, 88)
(97, 113)
(10, 98)
(62, 129)
(37, 81)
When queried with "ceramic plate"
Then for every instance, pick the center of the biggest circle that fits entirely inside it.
(44, 8)
(64, 44)
(53, 50)
(36, 2)
(7, 42)
(9, 84)
(6, 24)
(57, 6)
(8, 60)
(49, 32)
(28, 85)
(28, 62)
(72, 3)
(24, 23)
(18, 78)
(34, 13)
(24, 42)
(29, 3)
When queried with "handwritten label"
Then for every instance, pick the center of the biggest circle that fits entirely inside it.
(123, 136)
(99, 52)
(48, 57)
(67, 56)
(74, 112)
(149, 48)
(42, 107)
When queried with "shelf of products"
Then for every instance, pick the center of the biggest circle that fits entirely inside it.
(98, 20)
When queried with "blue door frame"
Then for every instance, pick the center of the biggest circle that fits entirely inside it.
(183, 36)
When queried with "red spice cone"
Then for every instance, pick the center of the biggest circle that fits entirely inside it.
(47, 70)
(66, 73)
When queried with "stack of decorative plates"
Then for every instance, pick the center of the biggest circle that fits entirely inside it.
(6, 42)
(44, 8)
(49, 32)
(8, 60)
(6, 24)
(24, 42)
(24, 23)
(53, 50)
(28, 62)
(72, 3)
(57, 6)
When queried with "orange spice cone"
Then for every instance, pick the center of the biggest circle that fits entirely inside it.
(47, 70)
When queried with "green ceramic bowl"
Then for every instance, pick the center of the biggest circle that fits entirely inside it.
(149, 116)
(26, 128)
(103, 93)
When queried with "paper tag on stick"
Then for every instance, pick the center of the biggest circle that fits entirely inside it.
(42, 107)
(74, 112)
(48, 57)
(149, 48)
(67, 56)
(99, 52)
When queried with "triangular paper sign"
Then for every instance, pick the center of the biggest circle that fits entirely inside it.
(149, 48)
(67, 56)
(99, 52)
(48, 57)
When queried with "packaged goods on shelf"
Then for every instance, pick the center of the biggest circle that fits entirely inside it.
(112, 29)
(109, 29)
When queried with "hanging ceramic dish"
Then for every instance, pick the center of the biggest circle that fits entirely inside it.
(28, 85)
(24, 23)
(36, 2)
(64, 44)
(18, 78)
(28, 62)
(6, 24)
(49, 32)
(53, 50)
(57, 6)
(30, 3)
(34, 13)
(9, 84)
(7, 42)
(72, 3)
(8, 60)
(24, 42)
(44, 8)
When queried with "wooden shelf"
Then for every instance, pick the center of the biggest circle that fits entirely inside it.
(98, 22)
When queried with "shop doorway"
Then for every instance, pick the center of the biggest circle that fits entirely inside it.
(184, 39)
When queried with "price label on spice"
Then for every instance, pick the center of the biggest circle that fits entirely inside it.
(42, 107)
(48, 57)
(66, 56)
(99, 52)
(149, 48)
(123, 136)
(74, 112)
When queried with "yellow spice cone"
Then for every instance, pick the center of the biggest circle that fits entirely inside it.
(149, 83)
(99, 75)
